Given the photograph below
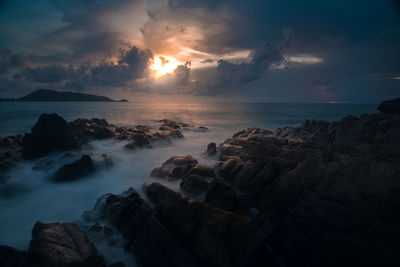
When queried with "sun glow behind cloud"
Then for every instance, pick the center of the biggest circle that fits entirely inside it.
(163, 65)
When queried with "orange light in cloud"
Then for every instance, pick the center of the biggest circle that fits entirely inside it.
(163, 65)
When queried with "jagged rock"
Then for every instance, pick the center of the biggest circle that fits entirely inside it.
(10, 151)
(150, 242)
(10, 257)
(50, 133)
(202, 170)
(211, 150)
(173, 124)
(117, 264)
(194, 184)
(216, 237)
(139, 141)
(56, 244)
(175, 167)
(78, 169)
(94, 129)
(390, 106)
(221, 194)
(322, 184)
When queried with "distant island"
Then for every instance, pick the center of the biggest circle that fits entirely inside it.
(51, 95)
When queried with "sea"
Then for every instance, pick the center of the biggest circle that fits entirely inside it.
(36, 198)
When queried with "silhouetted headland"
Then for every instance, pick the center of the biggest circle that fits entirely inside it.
(51, 95)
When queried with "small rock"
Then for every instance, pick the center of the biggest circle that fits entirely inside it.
(194, 184)
(78, 169)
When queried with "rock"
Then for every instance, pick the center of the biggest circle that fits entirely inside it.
(86, 130)
(194, 185)
(211, 150)
(145, 237)
(50, 133)
(173, 124)
(139, 141)
(319, 184)
(174, 167)
(117, 264)
(202, 129)
(56, 244)
(78, 169)
(390, 106)
(10, 257)
(107, 230)
(96, 228)
(202, 170)
(216, 237)
(221, 194)
(10, 151)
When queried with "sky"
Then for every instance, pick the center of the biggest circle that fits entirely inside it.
(253, 50)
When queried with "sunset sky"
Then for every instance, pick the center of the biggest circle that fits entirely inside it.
(253, 50)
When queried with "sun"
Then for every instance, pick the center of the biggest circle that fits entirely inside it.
(163, 65)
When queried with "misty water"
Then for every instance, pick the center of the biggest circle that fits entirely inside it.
(40, 199)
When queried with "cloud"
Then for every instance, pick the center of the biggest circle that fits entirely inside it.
(132, 64)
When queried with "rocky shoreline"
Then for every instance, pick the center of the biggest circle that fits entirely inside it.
(323, 194)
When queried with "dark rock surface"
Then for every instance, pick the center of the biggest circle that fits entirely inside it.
(390, 106)
(50, 133)
(215, 237)
(10, 151)
(54, 245)
(149, 241)
(193, 185)
(76, 170)
(211, 150)
(175, 167)
(222, 195)
(326, 193)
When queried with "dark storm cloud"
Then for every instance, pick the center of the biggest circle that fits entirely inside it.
(132, 64)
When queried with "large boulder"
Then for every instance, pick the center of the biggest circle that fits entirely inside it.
(76, 170)
(145, 237)
(390, 106)
(221, 194)
(62, 244)
(10, 257)
(50, 133)
(214, 236)
(174, 167)
(193, 185)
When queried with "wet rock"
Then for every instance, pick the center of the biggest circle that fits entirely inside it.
(139, 141)
(319, 184)
(194, 185)
(211, 150)
(86, 130)
(10, 151)
(117, 264)
(150, 242)
(390, 106)
(175, 167)
(216, 237)
(50, 133)
(56, 244)
(202, 129)
(202, 170)
(96, 228)
(221, 194)
(173, 124)
(78, 169)
(10, 257)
